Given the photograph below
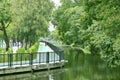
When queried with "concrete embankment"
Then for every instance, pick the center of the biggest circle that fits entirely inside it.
(32, 68)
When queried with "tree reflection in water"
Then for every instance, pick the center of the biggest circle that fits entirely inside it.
(51, 77)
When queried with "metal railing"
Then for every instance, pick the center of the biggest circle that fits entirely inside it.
(20, 59)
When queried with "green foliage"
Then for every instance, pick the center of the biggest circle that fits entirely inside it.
(5, 19)
(92, 24)
(28, 19)
(34, 48)
(86, 50)
(21, 50)
(5, 11)
(2, 50)
(31, 19)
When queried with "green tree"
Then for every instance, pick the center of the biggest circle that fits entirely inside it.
(92, 24)
(5, 19)
(32, 19)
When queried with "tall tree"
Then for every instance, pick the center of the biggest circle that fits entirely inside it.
(32, 19)
(92, 24)
(5, 19)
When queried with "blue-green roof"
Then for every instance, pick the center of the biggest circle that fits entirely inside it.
(44, 48)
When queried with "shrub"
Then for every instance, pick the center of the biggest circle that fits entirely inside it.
(21, 50)
(2, 50)
(34, 48)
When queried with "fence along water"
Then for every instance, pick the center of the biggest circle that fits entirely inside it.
(22, 59)
(46, 53)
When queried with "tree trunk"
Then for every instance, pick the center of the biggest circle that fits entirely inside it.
(26, 42)
(5, 35)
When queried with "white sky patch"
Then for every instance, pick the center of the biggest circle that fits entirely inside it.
(57, 2)
(51, 27)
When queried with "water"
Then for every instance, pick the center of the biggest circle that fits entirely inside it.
(79, 67)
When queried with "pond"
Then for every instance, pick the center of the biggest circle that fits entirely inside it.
(79, 67)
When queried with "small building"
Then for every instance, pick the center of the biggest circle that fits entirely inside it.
(48, 52)
(48, 57)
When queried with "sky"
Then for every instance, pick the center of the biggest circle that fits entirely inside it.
(57, 3)
(51, 27)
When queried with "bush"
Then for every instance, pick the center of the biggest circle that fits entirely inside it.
(34, 48)
(2, 50)
(21, 50)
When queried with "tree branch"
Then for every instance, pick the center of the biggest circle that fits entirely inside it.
(1, 27)
(8, 24)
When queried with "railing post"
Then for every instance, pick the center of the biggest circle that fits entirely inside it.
(10, 56)
(8, 60)
(39, 57)
(21, 59)
(16, 57)
(61, 55)
(31, 58)
(3, 59)
(47, 57)
(54, 57)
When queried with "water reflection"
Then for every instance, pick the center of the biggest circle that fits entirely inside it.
(88, 67)
(51, 77)
(44, 75)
